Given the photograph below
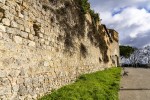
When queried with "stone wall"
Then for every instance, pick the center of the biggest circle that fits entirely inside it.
(45, 45)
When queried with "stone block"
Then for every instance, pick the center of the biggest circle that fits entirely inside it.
(19, 21)
(22, 73)
(20, 80)
(17, 39)
(14, 96)
(25, 41)
(14, 73)
(22, 90)
(2, 28)
(14, 24)
(30, 90)
(31, 43)
(19, 1)
(3, 74)
(40, 35)
(12, 30)
(15, 88)
(31, 37)
(28, 81)
(24, 34)
(3, 1)
(6, 21)
(1, 35)
(27, 29)
(7, 37)
(46, 63)
(5, 90)
(25, 5)
(20, 15)
(5, 82)
(47, 42)
(21, 27)
(42, 30)
(35, 82)
(1, 15)
(42, 40)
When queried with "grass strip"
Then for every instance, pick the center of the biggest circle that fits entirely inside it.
(101, 85)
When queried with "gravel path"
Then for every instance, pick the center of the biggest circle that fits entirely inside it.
(135, 86)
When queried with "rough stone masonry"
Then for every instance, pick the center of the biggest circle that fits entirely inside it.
(46, 44)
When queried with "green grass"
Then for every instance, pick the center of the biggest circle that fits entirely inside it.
(101, 85)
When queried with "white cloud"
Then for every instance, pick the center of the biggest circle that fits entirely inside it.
(131, 18)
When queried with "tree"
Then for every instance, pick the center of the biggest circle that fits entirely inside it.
(126, 51)
(136, 57)
(146, 53)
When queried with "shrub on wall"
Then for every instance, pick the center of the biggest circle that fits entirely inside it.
(95, 16)
(85, 6)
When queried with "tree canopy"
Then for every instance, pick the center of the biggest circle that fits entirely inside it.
(126, 51)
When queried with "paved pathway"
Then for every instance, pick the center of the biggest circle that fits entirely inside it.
(135, 86)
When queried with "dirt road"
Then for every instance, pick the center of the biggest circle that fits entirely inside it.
(135, 86)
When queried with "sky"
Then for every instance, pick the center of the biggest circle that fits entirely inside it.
(131, 18)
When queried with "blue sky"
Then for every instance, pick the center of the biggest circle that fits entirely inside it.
(131, 18)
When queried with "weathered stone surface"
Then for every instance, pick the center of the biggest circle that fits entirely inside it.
(41, 35)
(5, 90)
(3, 73)
(16, 88)
(31, 43)
(15, 96)
(14, 73)
(27, 29)
(6, 21)
(22, 90)
(20, 15)
(2, 28)
(24, 34)
(14, 24)
(46, 63)
(31, 37)
(40, 50)
(2, 1)
(17, 39)
(1, 35)
(6, 37)
(1, 15)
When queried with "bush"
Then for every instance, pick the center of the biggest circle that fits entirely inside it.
(85, 6)
(94, 15)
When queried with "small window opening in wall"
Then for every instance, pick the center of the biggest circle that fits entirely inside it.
(36, 28)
